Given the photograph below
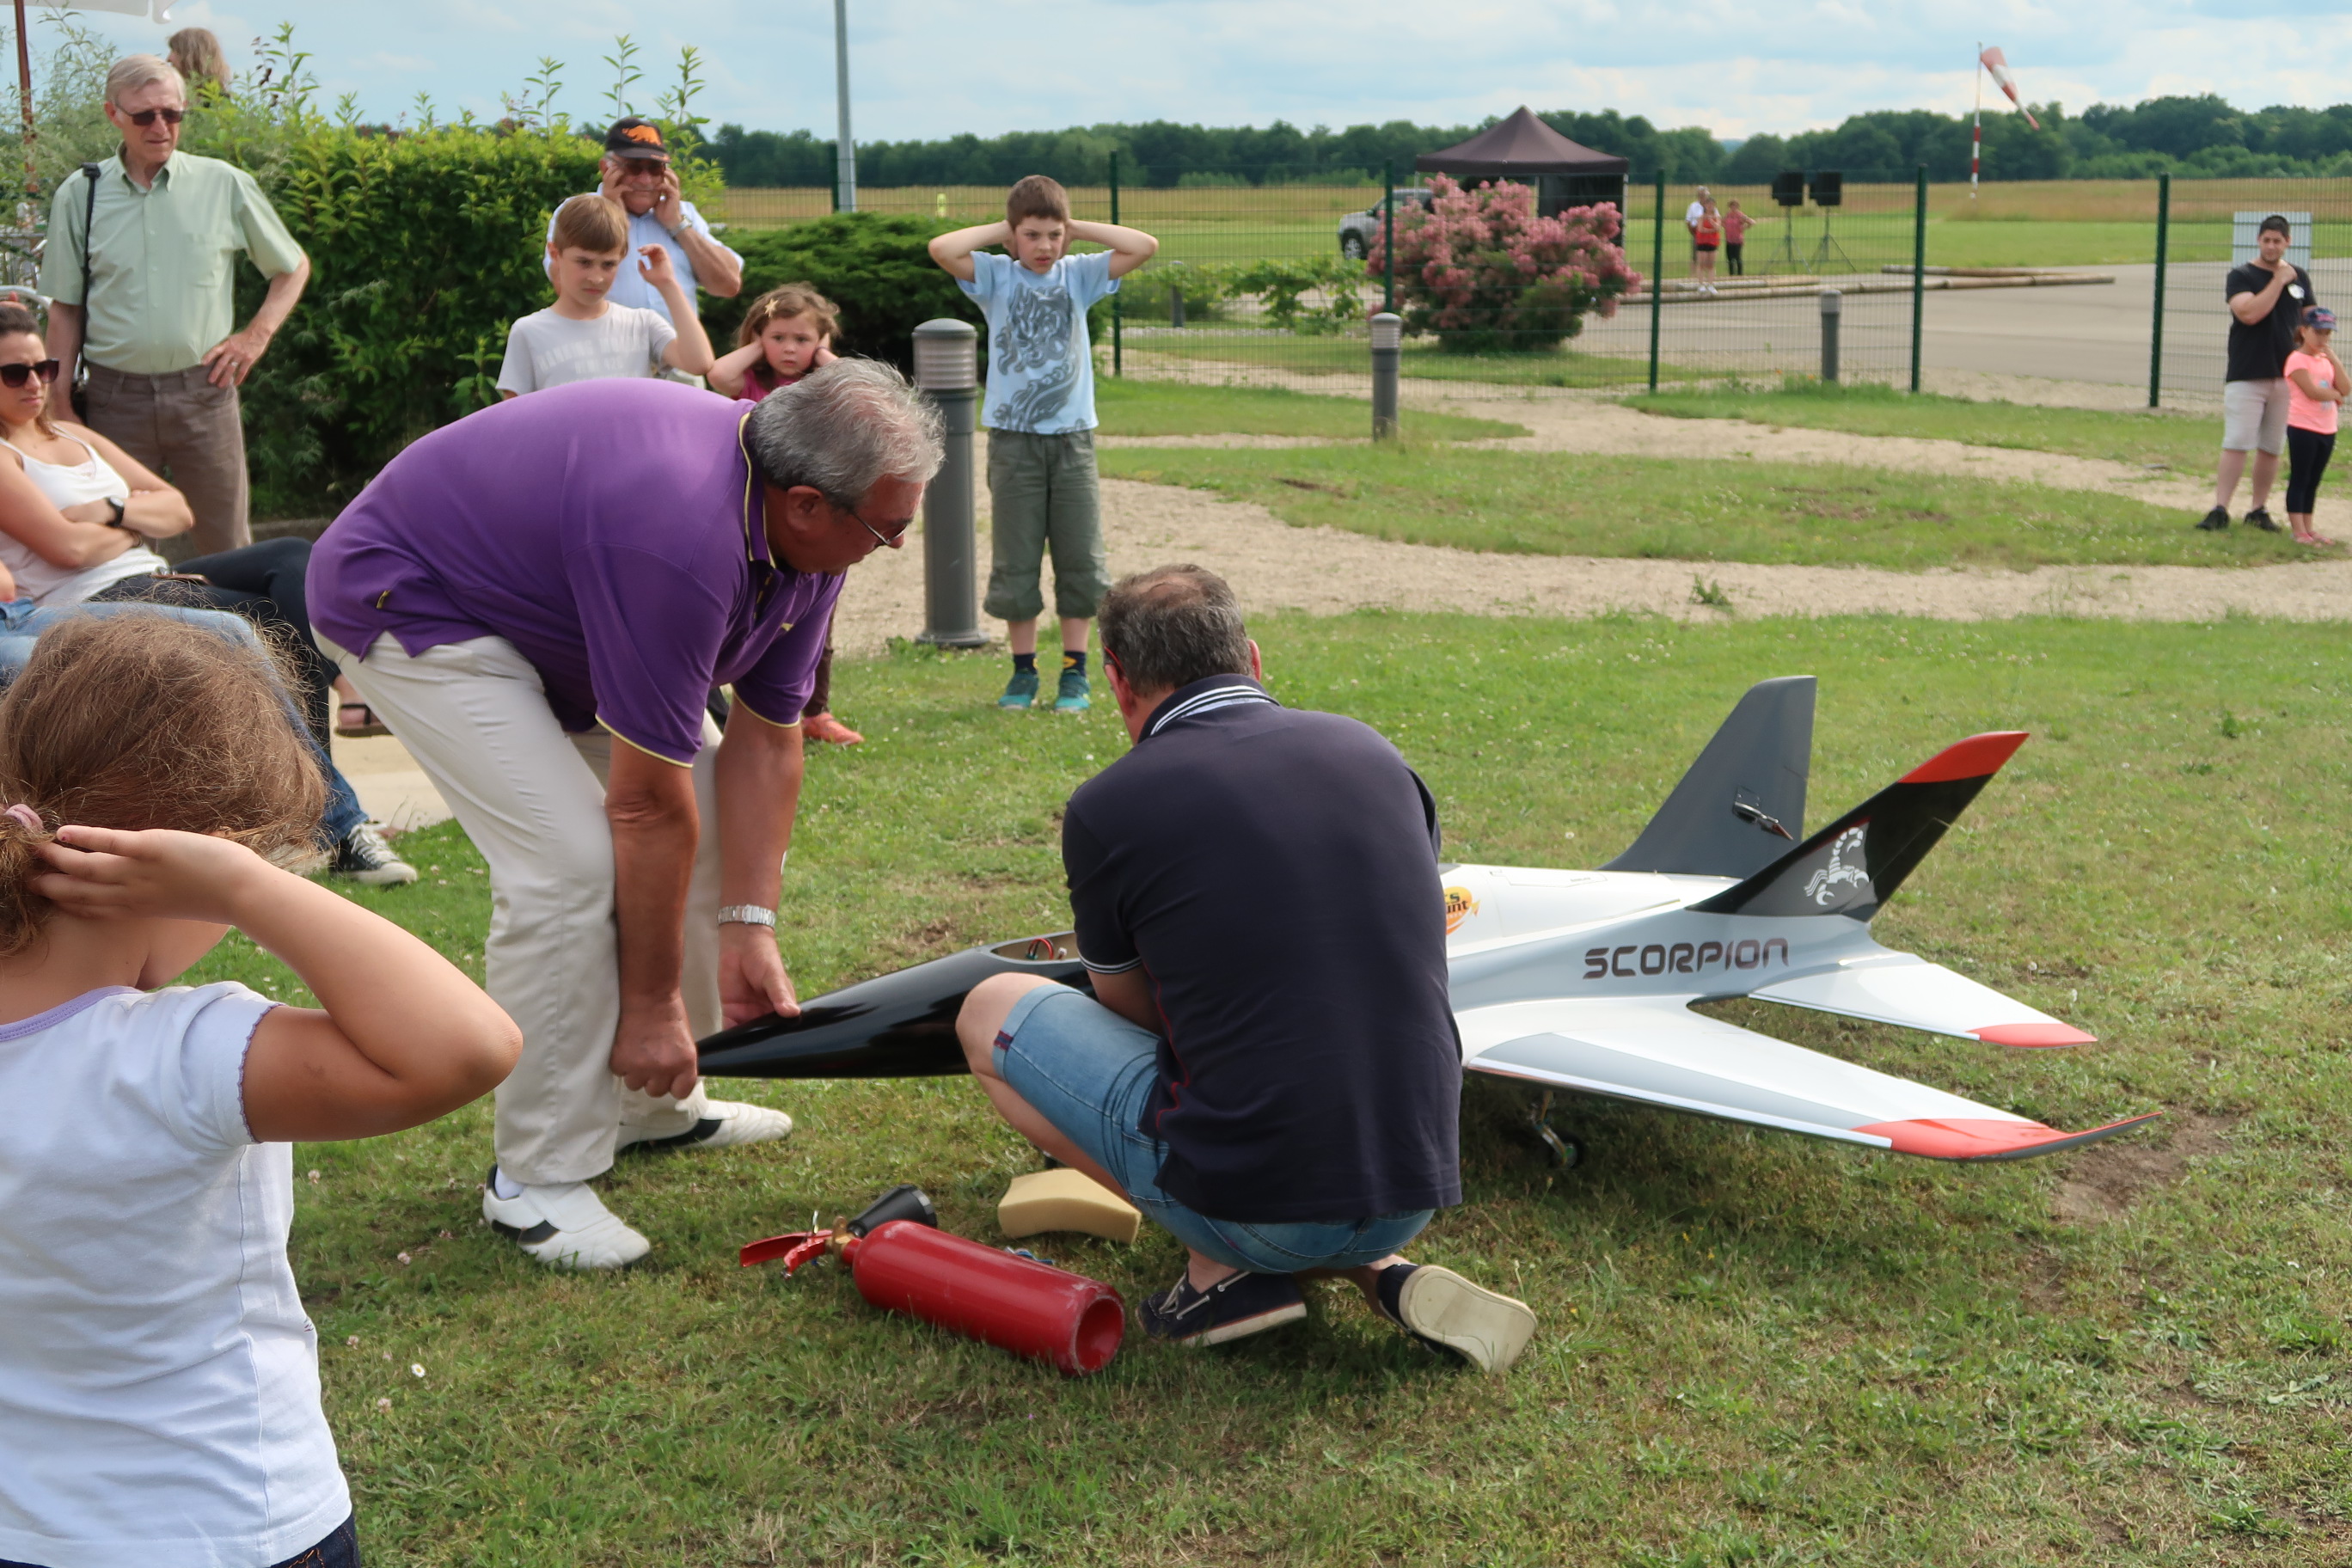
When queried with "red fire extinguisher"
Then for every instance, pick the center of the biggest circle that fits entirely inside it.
(901, 1262)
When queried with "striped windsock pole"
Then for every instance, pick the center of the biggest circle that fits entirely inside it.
(1976, 136)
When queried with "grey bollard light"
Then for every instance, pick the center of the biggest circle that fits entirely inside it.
(1388, 349)
(1832, 308)
(946, 371)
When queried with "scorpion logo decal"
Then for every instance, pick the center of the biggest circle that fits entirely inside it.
(1823, 885)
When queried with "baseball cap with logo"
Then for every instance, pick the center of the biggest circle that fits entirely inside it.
(634, 138)
(2319, 319)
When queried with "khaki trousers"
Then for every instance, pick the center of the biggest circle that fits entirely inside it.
(191, 433)
(531, 797)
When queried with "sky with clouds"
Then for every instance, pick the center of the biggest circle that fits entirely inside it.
(920, 68)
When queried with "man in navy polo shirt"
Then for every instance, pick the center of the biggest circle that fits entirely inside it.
(1268, 1066)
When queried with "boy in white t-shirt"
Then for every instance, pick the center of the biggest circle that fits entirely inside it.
(159, 1379)
(583, 336)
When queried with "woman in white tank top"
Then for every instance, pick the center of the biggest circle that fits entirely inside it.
(76, 511)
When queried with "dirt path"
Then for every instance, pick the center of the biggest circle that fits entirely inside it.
(1325, 571)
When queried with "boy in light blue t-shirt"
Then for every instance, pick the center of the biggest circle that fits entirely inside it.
(1041, 416)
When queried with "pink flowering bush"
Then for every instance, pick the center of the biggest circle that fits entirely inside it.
(1481, 271)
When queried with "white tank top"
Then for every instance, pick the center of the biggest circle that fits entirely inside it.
(71, 484)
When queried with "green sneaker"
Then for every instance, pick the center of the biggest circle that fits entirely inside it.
(1020, 691)
(1072, 697)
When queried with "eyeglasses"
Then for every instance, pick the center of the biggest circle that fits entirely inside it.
(18, 374)
(654, 166)
(885, 540)
(146, 116)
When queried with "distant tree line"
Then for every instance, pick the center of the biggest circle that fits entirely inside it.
(2202, 135)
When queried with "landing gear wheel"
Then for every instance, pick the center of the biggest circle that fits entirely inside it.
(1567, 1153)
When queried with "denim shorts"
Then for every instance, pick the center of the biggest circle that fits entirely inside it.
(1090, 1071)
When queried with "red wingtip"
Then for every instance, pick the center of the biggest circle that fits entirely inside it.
(2051, 1034)
(1977, 757)
(1975, 1138)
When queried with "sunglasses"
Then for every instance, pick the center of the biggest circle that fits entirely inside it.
(653, 166)
(19, 375)
(146, 116)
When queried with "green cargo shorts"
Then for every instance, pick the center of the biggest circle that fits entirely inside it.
(1043, 491)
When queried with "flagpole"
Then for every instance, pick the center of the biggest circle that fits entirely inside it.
(1976, 136)
(24, 94)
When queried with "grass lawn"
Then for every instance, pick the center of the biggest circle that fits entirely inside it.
(1995, 242)
(1551, 503)
(1756, 1349)
(2184, 443)
(1128, 405)
(1421, 358)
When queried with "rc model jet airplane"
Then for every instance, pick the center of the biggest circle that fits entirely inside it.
(1582, 981)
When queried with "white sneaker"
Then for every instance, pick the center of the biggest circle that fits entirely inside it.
(565, 1226)
(725, 1124)
(1444, 1309)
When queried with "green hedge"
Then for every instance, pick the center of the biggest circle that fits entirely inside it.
(422, 248)
(874, 266)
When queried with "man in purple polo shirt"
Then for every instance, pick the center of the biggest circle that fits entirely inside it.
(517, 591)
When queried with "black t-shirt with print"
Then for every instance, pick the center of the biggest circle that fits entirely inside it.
(2258, 349)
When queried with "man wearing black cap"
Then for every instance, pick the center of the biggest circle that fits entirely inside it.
(636, 173)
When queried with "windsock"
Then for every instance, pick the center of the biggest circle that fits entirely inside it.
(1995, 63)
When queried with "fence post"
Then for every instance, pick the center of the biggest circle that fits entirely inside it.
(1833, 307)
(1388, 248)
(1658, 273)
(1918, 272)
(2156, 323)
(946, 371)
(1387, 348)
(1118, 348)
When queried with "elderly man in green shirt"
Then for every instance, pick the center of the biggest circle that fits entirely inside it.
(157, 329)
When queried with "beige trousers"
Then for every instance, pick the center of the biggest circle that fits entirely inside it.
(191, 433)
(531, 797)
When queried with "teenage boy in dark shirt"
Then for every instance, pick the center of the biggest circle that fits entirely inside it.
(1268, 1066)
(2267, 297)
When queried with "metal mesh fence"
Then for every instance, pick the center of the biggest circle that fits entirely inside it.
(1264, 284)
(2206, 227)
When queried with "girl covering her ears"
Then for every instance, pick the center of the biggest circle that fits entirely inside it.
(2315, 386)
(787, 333)
(159, 1382)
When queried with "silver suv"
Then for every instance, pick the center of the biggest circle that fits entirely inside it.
(1357, 229)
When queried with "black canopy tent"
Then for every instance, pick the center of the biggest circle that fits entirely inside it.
(1524, 149)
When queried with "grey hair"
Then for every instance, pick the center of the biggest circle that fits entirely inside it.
(839, 429)
(132, 72)
(1172, 625)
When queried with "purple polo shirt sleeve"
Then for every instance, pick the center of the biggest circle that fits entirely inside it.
(653, 633)
(777, 688)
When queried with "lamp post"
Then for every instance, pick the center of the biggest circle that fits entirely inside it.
(844, 197)
(946, 371)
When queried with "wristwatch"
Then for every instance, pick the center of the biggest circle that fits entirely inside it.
(747, 915)
(678, 233)
(116, 521)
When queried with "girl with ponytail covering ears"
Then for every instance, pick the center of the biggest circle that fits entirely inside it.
(159, 1381)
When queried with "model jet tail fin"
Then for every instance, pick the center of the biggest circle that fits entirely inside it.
(1743, 801)
(1854, 866)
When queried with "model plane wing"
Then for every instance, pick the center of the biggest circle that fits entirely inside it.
(1901, 989)
(1657, 1051)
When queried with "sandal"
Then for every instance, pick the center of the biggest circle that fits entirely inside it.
(356, 719)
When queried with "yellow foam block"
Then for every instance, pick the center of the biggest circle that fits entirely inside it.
(1065, 1200)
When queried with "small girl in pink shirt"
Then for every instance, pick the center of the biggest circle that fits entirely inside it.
(2316, 385)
